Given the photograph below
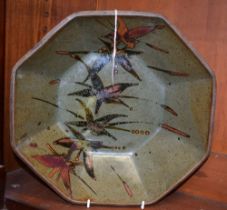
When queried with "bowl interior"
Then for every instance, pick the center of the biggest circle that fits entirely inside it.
(135, 137)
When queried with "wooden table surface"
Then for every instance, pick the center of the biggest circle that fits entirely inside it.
(202, 22)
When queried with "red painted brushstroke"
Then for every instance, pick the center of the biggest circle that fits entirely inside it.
(53, 172)
(34, 145)
(174, 130)
(129, 36)
(126, 186)
(51, 161)
(64, 174)
(168, 109)
(59, 165)
(139, 31)
(54, 82)
(127, 189)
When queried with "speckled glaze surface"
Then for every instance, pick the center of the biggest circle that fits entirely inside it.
(114, 142)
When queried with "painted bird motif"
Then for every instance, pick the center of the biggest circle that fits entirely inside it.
(109, 94)
(130, 36)
(80, 144)
(105, 57)
(59, 164)
(100, 125)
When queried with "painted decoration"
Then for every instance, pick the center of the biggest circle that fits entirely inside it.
(113, 129)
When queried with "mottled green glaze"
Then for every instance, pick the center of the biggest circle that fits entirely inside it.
(151, 162)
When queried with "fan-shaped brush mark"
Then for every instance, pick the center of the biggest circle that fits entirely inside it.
(105, 57)
(121, 58)
(60, 165)
(129, 37)
(96, 126)
(108, 94)
(80, 145)
(100, 125)
(132, 35)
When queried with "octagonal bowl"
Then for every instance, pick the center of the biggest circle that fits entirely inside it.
(117, 109)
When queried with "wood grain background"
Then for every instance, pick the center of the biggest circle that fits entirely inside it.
(2, 58)
(202, 22)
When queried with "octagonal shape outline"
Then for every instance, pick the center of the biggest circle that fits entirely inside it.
(57, 28)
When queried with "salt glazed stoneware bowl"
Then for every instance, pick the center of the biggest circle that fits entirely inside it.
(115, 128)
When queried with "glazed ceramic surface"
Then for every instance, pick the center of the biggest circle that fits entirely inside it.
(117, 133)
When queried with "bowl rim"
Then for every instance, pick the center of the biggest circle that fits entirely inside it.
(56, 29)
